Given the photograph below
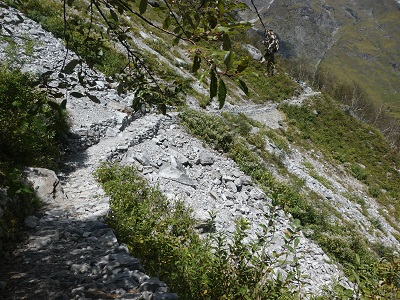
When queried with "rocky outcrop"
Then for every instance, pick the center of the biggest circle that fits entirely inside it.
(46, 184)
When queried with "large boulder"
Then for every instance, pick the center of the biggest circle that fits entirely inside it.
(46, 184)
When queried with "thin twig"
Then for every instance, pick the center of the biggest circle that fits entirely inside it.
(176, 20)
(258, 15)
(65, 33)
(127, 7)
(127, 47)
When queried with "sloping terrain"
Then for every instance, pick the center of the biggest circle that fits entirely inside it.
(358, 41)
(182, 166)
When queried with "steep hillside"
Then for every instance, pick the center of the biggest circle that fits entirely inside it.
(357, 41)
(280, 194)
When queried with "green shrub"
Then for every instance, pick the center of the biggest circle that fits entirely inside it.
(374, 191)
(30, 123)
(359, 172)
(31, 126)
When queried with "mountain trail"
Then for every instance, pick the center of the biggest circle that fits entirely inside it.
(70, 253)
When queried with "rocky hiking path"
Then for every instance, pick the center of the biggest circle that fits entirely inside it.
(70, 253)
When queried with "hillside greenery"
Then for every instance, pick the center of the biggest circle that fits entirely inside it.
(341, 239)
(361, 148)
(31, 129)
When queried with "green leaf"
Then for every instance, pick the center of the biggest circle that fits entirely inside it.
(53, 105)
(122, 37)
(244, 88)
(223, 29)
(218, 53)
(226, 42)
(243, 65)
(290, 277)
(136, 103)
(356, 277)
(197, 19)
(176, 40)
(189, 20)
(221, 93)
(92, 97)
(358, 259)
(296, 242)
(120, 89)
(63, 105)
(163, 108)
(228, 60)
(279, 277)
(16, 104)
(213, 84)
(196, 63)
(167, 22)
(177, 29)
(348, 293)
(69, 67)
(142, 6)
(202, 76)
(77, 95)
(114, 15)
(221, 7)
(121, 9)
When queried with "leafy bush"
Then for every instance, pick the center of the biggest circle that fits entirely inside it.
(358, 172)
(374, 191)
(30, 128)
(30, 123)
(162, 233)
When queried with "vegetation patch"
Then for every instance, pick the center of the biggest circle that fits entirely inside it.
(31, 127)
(345, 140)
(341, 239)
(162, 233)
(31, 124)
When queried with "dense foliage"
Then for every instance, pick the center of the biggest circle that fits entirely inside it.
(30, 123)
(31, 126)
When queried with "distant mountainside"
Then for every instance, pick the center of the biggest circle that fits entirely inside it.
(357, 40)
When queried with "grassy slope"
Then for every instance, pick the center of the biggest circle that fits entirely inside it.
(364, 53)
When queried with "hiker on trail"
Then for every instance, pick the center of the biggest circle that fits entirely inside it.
(271, 44)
